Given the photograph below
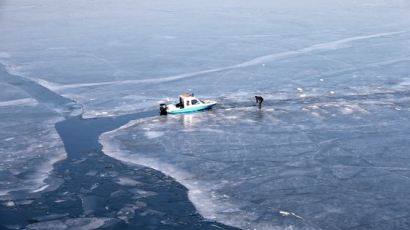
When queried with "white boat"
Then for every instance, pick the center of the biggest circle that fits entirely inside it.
(187, 104)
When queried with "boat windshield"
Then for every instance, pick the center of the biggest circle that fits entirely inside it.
(195, 101)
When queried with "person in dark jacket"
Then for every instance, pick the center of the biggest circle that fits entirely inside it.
(259, 100)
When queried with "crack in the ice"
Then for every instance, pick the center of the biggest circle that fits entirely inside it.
(255, 61)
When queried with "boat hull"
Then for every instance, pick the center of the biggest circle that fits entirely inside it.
(191, 109)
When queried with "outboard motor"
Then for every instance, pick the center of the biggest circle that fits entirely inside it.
(163, 109)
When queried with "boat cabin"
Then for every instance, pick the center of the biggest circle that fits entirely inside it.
(187, 100)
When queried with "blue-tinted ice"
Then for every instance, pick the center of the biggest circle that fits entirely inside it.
(320, 163)
(29, 144)
(329, 149)
(135, 54)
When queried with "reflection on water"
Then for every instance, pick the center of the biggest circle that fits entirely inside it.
(189, 120)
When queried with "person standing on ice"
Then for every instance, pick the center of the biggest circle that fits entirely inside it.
(259, 100)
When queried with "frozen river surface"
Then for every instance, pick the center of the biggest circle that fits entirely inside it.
(311, 164)
(328, 149)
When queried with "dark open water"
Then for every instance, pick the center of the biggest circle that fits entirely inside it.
(90, 190)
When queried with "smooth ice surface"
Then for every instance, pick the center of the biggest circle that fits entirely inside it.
(314, 163)
(119, 57)
(328, 150)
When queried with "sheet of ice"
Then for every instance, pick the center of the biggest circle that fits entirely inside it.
(112, 66)
(309, 163)
(75, 223)
(11, 93)
(23, 101)
(126, 181)
(334, 75)
(29, 144)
